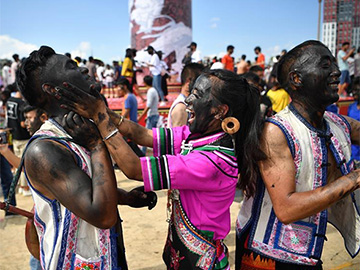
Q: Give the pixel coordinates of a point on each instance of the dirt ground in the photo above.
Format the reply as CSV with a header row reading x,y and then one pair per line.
x,y
145,233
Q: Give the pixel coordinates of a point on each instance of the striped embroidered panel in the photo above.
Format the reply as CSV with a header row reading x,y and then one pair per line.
x,y
156,173
163,141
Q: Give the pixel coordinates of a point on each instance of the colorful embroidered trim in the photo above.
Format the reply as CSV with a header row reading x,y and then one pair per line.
x,y
193,241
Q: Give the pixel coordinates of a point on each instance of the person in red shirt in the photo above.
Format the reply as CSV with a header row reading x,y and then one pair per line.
x,y
227,60
260,61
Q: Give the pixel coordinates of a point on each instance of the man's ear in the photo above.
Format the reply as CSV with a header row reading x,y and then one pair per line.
x,y
295,79
43,117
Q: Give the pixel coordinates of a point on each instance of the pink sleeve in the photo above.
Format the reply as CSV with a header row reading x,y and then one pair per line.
x,y
197,171
168,140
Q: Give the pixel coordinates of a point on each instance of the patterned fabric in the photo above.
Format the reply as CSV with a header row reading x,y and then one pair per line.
x,y
248,262
184,170
295,237
66,241
202,172
81,264
302,242
205,253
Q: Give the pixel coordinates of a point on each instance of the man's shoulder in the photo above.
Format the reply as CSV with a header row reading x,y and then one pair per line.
x,y
341,53
131,98
46,151
152,91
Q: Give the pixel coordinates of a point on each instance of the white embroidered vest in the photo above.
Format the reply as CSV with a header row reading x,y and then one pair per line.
x,y
67,241
302,242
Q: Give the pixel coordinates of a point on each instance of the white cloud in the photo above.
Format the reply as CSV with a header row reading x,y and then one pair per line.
x,y
214,21
273,51
10,46
221,54
83,50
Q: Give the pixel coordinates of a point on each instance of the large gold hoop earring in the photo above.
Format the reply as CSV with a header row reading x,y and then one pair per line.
x,y
230,125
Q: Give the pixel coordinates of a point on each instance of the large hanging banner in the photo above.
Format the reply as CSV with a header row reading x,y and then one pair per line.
x,y
164,25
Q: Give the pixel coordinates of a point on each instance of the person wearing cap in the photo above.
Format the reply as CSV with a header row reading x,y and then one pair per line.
x,y
155,69
195,54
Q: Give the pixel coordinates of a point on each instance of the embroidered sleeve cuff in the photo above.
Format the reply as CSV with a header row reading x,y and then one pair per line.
x,y
155,173
163,141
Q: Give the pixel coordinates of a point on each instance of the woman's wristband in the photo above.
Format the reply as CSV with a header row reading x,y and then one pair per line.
x,y
111,134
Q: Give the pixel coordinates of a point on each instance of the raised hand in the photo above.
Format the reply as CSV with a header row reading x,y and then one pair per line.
x,y
83,131
88,104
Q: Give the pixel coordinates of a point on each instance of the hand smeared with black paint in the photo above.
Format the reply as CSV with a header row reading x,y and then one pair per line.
x,y
86,102
83,131
137,198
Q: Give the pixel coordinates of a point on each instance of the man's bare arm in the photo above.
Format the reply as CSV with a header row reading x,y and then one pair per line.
x,y
52,169
350,52
179,115
278,173
355,130
9,155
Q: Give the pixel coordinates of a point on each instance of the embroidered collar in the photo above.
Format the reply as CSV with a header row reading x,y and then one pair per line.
x,y
56,124
201,141
320,132
205,143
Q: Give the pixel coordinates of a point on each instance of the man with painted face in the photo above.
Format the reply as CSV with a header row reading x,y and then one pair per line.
x,y
177,112
34,118
200,161
308,177
74,188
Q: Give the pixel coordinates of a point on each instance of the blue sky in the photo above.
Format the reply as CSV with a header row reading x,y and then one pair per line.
x,y
101,28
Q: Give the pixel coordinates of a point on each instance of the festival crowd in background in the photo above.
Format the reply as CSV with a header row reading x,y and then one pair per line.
x,y
259,81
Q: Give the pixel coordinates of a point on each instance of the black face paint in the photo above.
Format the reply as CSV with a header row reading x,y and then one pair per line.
x,y
61,69
32,122
200,103
319,74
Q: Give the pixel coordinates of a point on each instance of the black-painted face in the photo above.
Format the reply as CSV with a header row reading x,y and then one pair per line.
x,y
200,105
60,68
32,122
319,76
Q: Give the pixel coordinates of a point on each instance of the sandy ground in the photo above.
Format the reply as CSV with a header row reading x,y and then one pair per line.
x,y
145,233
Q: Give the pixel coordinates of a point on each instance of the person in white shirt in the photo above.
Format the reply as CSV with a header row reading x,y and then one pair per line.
x,y
14,67
155,69
109,76
195,56
151,110
217,65
6,74
100,73
109,80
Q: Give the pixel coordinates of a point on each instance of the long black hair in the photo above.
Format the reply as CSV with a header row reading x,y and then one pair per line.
x,y
243,102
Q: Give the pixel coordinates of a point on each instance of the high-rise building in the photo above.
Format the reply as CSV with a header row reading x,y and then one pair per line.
x,y
341,23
